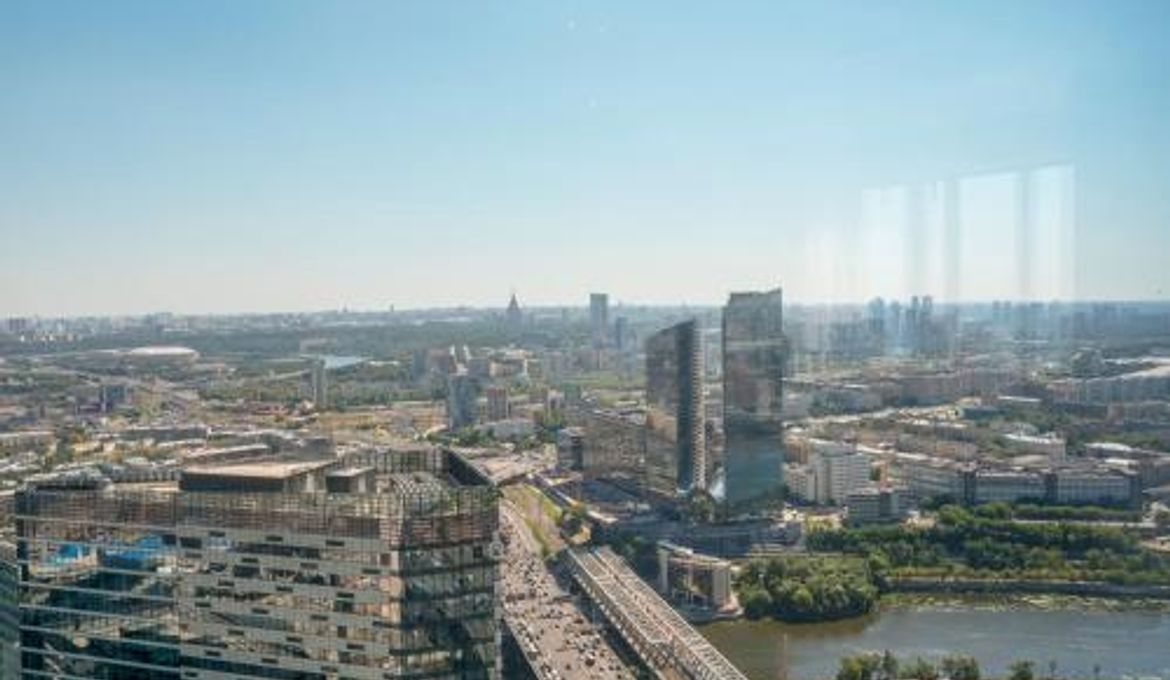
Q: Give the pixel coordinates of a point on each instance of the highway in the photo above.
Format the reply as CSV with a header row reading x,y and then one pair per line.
x,y
553,631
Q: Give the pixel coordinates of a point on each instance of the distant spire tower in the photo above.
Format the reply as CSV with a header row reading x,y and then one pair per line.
x,y
514,315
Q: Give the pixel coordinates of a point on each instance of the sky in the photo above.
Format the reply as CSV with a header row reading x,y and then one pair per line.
x,y
281,155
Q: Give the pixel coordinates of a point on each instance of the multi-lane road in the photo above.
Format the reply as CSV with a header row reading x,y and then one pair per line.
x,y
550,625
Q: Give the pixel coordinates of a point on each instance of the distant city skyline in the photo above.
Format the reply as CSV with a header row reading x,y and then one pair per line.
x,y
222,157
857,306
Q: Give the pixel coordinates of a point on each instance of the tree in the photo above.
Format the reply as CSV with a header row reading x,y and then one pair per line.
x,y
701,507
859,667
878,563
812,588
960,667
996,511
1162,520
919,669
63,454
756,602
889,665
574,519
1022,670
851,669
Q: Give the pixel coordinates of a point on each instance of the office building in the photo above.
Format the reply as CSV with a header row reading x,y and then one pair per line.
x,y
480,367
675,446
19,325
1148,384
599,318
840,474
375,567
692,579
754,352
462,394
615,443
621,333
9,608
830,476
802,482
874,505
570,448
319,384
497,404
1094,485
1008,486
926,477
111,396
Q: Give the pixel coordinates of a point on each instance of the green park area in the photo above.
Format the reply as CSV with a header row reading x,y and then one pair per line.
x,y
967,544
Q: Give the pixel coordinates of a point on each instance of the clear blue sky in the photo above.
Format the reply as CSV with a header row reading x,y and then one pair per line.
x,y
232,156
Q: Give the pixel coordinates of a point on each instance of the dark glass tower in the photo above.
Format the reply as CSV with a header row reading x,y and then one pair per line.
x,y
675,460
754,352
599,318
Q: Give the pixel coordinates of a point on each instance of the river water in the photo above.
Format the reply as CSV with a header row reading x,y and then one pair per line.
x,y
1124,641
335,361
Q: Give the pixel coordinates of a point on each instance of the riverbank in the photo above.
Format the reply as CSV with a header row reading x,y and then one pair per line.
x,y
1025,586
1019,602
1011,595
1123,637
822,588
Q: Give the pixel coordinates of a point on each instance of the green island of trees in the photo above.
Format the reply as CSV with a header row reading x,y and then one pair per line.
x,y
963,543
806,588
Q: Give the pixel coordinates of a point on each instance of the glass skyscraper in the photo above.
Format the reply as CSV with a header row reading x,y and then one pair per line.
x,y
379,566
9,609
599,318
754,353
675,451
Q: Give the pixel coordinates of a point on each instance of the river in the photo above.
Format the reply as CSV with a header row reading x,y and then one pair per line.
x,y
1125,641
335,361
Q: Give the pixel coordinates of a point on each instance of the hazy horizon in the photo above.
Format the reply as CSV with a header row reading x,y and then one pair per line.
x,y
615,304
226,157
